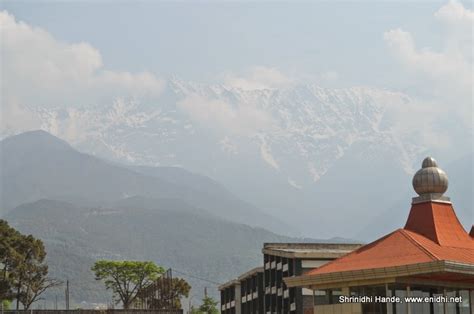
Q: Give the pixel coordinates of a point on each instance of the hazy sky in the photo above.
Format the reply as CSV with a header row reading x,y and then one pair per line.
x,y
60,53
337,43
67,54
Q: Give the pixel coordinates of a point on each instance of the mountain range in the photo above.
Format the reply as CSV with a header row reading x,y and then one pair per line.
x,y
37,165
294,152
202,248
85,208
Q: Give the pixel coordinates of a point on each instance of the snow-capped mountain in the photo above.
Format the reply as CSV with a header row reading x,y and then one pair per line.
x,y
277,148
308,123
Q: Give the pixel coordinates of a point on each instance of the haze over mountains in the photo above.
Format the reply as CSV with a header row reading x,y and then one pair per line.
x,y
295,152
85,209
171,233
37,165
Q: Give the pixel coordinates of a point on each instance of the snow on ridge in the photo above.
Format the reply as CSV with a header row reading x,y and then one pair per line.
x,y
313,126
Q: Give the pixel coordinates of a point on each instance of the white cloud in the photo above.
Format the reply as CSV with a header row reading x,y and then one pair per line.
x,y
444,73
238,119
14,117
442,67
258,78
454,13
38,69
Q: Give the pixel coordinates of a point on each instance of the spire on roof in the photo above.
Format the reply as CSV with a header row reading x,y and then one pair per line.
x,y
430,182
432,214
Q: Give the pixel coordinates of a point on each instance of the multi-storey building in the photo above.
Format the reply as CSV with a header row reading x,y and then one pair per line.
x,y
244,294
283,260
251,291
230,297
262,290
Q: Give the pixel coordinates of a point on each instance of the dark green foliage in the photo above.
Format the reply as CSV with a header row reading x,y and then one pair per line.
x,y
9,240
126,278
6,305
179,288
208,306
167,293
24,273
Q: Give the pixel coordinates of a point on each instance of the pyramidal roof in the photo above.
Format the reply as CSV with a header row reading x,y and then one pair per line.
x,y
432,232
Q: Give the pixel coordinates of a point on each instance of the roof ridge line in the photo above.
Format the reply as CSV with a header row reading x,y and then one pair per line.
x,y
414,241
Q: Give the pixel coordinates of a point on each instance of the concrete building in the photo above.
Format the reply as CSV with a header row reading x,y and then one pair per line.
x,y
252,291
286,260
262,290
230,297
431,258
244,294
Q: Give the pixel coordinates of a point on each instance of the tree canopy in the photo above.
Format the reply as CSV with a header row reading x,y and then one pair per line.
x,y
126,278
208,306
24,274
166,293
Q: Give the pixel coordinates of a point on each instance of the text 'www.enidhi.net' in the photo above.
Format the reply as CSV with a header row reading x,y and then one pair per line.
x,y
396,299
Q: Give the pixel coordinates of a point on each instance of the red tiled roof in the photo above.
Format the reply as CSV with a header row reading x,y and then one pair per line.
x,y
432,232
439,223
472,232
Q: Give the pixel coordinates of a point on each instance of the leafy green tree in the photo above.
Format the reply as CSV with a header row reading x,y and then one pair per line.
x,y
126,278
168,293
9,239
180,288
208,306
6,305
194,310
24,273
30,272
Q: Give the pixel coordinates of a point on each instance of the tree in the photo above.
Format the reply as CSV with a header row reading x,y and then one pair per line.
x,y
24,273
179,288
30,272
9,240
194,310
166,293
35,286
126,278
208,306
5,304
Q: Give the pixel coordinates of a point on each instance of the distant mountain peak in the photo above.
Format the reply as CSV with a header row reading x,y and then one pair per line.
x,y
36,134
36,139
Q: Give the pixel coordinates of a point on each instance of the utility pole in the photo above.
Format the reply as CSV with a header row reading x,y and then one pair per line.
x,y
56,302
190,304
205,292
67,295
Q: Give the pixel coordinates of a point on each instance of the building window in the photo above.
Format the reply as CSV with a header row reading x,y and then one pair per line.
x,y
371,291
334,295
422,292
458,308
330,296
321,297
464,306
